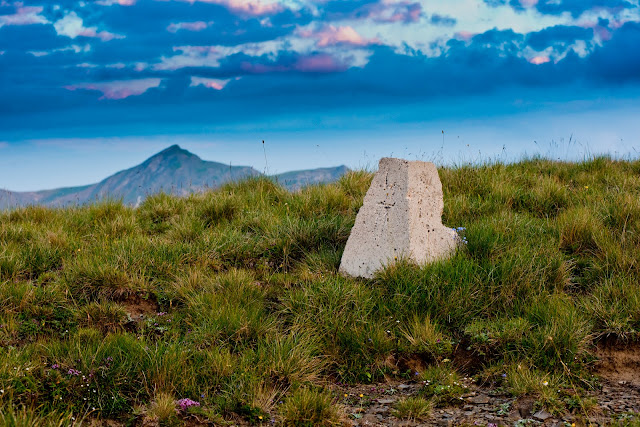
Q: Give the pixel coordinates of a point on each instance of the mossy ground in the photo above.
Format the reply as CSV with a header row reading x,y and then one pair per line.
x,y
232,298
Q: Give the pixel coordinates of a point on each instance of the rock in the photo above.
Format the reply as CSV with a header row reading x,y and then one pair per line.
x,y
369,420
525,407
386,401
403,387
481,399
401,218
542,415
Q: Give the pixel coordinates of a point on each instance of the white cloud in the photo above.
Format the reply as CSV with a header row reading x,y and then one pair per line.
x,y
73,26
24,15
119,89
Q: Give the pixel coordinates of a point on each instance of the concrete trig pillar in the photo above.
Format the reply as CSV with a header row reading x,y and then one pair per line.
x,y
401,218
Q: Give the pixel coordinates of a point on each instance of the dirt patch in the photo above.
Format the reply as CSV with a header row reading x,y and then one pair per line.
x,y
466,360
618,361
139,308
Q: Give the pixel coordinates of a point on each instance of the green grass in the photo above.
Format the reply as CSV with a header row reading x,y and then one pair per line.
x,y
232,298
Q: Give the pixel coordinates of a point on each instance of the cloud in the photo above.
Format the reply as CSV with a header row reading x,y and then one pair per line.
x,y
314,55
443,20
191,56
559,35
118,2
118,89
246,7
379,11
616,61
216,84
330,35
539,60
317,63
72,26
24,15
557,7
189,26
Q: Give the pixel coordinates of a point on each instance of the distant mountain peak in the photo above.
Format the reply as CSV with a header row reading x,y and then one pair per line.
x,y
174,150
173,170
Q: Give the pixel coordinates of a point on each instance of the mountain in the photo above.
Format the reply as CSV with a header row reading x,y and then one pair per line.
x,y
298,179
173,170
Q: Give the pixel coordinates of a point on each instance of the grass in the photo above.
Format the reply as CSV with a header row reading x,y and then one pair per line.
x,y
413,408
232,298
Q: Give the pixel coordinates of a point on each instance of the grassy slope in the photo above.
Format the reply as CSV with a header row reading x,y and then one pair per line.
x,y
256,314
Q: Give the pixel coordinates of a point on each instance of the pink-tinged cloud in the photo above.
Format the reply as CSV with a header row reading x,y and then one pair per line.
x,y
386,11
119,2
246,7
24,16
528,3
464,35
118,89
538,60
321,63
72,26
334,36
602,32
189,26
216,84
318,64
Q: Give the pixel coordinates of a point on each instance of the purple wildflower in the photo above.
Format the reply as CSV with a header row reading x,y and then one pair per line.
x,y
187,403
74,372
55,366
162,313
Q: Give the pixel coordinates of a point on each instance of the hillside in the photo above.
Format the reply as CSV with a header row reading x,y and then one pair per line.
x,y
226,307
174,171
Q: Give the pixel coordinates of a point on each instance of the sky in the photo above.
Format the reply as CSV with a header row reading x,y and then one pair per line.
x,y
88,88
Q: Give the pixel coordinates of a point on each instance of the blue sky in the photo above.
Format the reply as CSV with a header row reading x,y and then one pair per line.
x,y
91,87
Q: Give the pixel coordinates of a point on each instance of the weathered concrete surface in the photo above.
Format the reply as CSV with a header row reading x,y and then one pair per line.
x,y
401,218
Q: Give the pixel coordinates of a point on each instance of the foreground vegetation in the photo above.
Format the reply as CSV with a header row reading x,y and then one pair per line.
x,y
228,305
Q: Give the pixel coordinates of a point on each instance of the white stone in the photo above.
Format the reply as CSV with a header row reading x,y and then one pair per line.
x,y
401,218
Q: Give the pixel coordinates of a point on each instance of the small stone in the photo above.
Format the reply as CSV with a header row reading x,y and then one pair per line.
x,y
403,387
542,415
386,401
369,420
481,399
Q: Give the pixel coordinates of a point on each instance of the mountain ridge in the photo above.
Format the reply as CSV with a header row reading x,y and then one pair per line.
x,y
173,170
